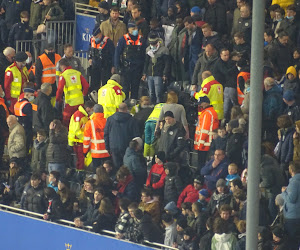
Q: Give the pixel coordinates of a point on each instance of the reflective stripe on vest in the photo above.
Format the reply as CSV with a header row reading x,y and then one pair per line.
x,y
34,107
96,142
2,102
16,84
129,41
241,96
99,45
49,69
18,108
73,87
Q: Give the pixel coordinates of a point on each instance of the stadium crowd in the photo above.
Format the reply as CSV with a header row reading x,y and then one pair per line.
x,y
151,140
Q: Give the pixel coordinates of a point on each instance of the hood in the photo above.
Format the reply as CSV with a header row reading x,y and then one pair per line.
x,y
291,70
238,130
121,117
114,83
130,152
172,167
222,237
171,207
296,177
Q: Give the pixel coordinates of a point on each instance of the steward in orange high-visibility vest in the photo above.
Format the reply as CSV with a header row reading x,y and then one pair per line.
x,y
207,122
93,139
242,78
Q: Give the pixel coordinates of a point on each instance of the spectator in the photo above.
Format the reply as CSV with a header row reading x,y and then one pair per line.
x,y
39,151
186,210
125,220
51,11
43,112
149,205
170,229
237,15
245,22
181,225
215,15
279,238
135,161
103,180
290,25
156,29
191,192
67,198
53,180
117,137
215,169
222,238
106,219
296,155
103,15
241,243
141,22
156,68
86,197
6,59
34,201
56,151
241,46
279,219
232,173
210,37
290,195
291,82
157,174
12,12
20,30
205,241
218,142
292,109
173,183
189,237
16,144
199,221
55,209
220,197
206,62
203,196
264,239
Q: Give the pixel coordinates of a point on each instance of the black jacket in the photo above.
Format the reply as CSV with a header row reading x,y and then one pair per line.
x,y
45,113
4,63
19,31
119,130
234,146
57,149
215,15
149,230
35,200
205,242
55,209
226,73
91,214
104,222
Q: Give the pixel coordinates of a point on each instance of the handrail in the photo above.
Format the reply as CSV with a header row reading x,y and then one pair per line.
x,y
89,228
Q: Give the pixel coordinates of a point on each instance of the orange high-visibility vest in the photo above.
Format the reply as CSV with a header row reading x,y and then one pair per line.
x,y
2,102
207,122
99,45
49,69
241,96
93,139
18,108
129,41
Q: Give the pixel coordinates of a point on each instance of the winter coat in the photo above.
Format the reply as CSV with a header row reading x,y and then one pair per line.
x,y
241,243
189,194
286,146
156,177
123,223
283,3
212,175
119,130
214,39
272,104
190,244
58,142
205,242
217,200
114,35
100,18
199,225
292,85
244,25
137,166
291,27
35,15
280,55
4,63
149,230
153,209
218,143
16,142
19,31
12,11
54,11
271,176
34,201
159,64
204,63
291,197
173,186
172,141
104,222
91,214
223,241
38,158
215,15
55,209
234,146
293,112
226,73
45,113
130,191
141,117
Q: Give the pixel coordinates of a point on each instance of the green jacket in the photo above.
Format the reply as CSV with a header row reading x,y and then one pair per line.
x,y
35,15
56,12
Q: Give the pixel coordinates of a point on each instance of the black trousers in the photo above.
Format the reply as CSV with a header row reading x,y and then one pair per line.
x,y
132,77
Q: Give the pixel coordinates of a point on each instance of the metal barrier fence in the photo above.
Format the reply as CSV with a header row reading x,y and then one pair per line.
x,y
154,245
83,57
33,46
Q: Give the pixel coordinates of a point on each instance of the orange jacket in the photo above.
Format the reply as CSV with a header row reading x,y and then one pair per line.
x,y
18,108
241,96
2,102
49,69
94,136
207,122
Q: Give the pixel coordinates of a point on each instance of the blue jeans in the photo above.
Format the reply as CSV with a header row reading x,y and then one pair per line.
x,y
230,99
59,167
155,85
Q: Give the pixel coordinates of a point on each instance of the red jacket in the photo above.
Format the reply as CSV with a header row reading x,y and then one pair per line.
x,y
189,194
157,170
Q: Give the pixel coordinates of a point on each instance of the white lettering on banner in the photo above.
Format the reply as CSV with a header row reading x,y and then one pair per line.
x,y
86,37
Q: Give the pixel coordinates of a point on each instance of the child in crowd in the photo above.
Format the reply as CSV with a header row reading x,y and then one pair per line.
x,y
172,209
53,180
39,149
124,219
232,173
203,196
219,142
170,229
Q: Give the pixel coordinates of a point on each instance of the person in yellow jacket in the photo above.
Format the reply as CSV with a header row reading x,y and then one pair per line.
x,y
213,90
283,3
76,131
93,140
110,96
150,125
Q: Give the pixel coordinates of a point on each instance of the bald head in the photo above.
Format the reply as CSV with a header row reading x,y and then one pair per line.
x,y
123,107
206,74
209,50
9,53
11,121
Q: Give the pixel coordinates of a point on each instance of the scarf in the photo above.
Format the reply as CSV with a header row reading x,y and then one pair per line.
x,y
122,186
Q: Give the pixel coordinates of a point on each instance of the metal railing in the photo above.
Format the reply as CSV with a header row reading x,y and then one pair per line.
x,y
154,245
83,57
86,9
33,46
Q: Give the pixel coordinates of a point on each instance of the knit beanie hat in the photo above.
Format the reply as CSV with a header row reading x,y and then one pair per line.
x,y
161,155
221,183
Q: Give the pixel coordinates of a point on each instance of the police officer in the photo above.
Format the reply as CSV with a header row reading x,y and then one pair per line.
x,y
101,54
129,58
16,75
